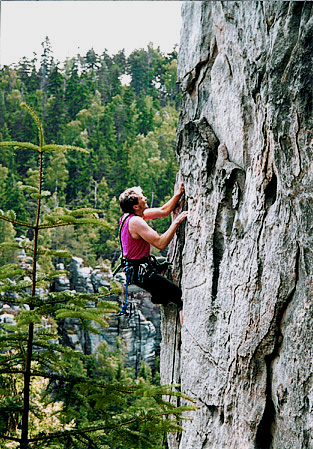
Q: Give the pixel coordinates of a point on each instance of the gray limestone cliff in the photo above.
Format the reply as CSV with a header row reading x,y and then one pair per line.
x,y
245,256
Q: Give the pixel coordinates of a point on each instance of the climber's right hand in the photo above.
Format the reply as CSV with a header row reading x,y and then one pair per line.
x,y
181,217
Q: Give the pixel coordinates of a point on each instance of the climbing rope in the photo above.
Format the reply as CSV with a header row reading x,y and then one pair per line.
x,y
175,344
138,348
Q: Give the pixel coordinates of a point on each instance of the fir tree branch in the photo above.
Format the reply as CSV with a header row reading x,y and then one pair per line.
x,y
75,222
6,437
17,222
63,148
13,143
10,270
106,427
55,253
12,371
85,210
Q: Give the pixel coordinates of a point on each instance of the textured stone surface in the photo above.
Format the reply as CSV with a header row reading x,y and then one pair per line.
x,y
245,257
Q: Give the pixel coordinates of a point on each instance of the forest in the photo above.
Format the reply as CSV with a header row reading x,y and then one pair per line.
x,y
73,137
123,110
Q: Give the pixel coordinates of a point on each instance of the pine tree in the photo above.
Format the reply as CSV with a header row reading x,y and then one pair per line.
x,y
145,115
29,345
28,340
76,92
46,65
55,109
28,74
108,75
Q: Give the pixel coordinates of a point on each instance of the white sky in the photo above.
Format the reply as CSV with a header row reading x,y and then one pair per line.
x,y
77,26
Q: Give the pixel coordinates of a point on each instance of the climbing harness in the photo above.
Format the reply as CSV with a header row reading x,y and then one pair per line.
x,y
137,272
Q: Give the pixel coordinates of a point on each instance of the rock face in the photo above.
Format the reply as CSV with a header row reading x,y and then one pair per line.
x,y
245,258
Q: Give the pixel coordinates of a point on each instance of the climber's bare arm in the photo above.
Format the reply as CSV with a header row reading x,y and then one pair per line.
x,y
138,228
167,208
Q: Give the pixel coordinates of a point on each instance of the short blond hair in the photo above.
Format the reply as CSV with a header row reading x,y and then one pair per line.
x,y
129,198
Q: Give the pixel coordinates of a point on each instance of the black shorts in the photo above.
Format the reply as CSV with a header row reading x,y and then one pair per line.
x,y
162,290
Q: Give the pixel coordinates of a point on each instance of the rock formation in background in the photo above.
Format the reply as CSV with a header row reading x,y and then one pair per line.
x,y
245,258
140,332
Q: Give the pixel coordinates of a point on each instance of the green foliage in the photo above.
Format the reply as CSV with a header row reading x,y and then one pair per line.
x,y
7,231
125,133
52,396
112,397
111,136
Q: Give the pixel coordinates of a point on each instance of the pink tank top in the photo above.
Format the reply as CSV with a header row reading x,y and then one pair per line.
x,y
133,248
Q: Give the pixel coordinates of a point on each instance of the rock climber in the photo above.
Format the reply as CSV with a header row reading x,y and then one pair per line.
x,y
136,237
